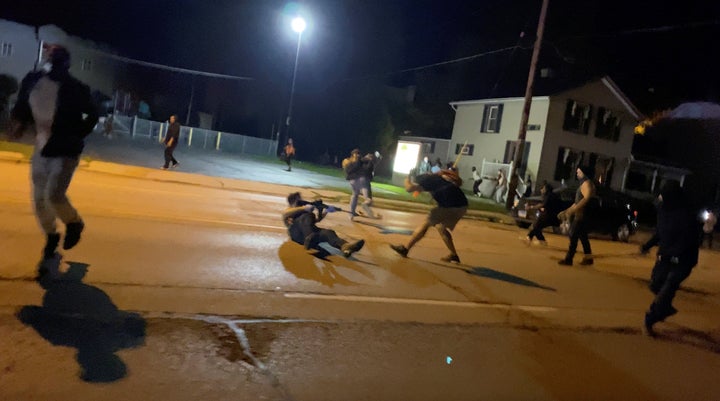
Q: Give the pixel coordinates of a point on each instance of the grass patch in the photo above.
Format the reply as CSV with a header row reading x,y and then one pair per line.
x,y
24,149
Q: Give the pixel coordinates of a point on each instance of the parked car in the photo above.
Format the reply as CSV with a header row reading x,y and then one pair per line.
x,y
615,216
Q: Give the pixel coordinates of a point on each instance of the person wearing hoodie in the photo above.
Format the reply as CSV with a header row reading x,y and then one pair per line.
x,y
62,113
678,240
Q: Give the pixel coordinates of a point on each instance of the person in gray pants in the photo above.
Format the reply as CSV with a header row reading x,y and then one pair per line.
x,y
62,113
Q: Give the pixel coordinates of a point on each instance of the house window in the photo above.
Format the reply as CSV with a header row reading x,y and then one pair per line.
x,y
533,127
577,117
607,125
427,148
87,65
6,49
492,115
567,163
467,150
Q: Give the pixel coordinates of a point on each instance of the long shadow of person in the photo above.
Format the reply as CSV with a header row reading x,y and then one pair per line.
x,y
78,315
302,264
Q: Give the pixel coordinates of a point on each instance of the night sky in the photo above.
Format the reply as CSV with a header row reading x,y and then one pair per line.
x,y
659,52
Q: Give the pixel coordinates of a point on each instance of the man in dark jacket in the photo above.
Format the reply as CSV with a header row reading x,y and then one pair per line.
x,y
451,207
62,113
171,141
300,220
677,237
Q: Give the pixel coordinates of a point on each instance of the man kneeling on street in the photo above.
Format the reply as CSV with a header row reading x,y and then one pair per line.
x,y
300,220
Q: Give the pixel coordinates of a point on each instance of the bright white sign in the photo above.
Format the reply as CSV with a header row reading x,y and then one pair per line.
x,y
406,157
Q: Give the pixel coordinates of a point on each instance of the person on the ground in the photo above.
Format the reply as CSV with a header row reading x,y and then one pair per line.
x,y
356,174
172,137
580,214
451,207
289,153
300,219
62,112
477,180
677,238
548,210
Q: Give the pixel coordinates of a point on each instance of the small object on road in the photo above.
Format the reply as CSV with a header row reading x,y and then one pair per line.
x,y
448,360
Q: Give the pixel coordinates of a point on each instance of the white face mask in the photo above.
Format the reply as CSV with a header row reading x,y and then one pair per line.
x,y
46,66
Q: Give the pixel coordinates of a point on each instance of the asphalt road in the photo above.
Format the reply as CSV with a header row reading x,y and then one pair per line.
x,y
186,289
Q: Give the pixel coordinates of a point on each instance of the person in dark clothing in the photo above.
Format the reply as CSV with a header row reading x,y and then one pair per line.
x,y
171,141
288,153
62,113
451,207
548,208
356,172
300,220
581,215
677,238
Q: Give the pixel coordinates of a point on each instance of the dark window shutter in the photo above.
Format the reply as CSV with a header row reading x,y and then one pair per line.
x,y
499,118
483,126
568,116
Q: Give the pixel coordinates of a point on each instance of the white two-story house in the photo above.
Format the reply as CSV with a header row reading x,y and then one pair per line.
x,y
590,125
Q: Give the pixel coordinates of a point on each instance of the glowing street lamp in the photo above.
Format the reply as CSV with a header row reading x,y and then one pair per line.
x,y
298,25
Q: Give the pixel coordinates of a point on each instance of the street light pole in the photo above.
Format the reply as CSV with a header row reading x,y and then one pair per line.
x,y
298,25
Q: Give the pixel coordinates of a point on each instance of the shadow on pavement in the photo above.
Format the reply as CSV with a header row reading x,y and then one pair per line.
x,y
81,316
316,266
502,276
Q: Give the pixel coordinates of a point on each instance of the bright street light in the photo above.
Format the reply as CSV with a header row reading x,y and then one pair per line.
x,y
298,25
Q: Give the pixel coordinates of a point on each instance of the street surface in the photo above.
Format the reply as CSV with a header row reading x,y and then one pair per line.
x,y
185,287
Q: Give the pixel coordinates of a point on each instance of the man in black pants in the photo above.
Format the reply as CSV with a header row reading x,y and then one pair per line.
x,y
300,220
677,234
581,214
549,208
171,141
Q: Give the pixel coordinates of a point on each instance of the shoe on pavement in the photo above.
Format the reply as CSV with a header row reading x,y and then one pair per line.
x,y
587,261
51,245
72,234
452,258
352,247
565,262
400,249
647,327
164,167
175,165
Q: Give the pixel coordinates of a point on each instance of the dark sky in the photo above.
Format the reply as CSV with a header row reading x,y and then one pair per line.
x,y
669,46
659,52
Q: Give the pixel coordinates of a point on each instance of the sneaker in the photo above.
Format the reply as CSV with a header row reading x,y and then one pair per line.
x,y
311,241
51,245
175,165
352,247
565,262
164,167
72,234
587,261
368,212
400,249
353,216
452,258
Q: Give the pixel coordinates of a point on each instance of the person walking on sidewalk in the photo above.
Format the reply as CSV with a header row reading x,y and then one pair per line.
x,y
171,141
677,236
451,207
289,153
300,220
63,113
580,214
549,209
477,180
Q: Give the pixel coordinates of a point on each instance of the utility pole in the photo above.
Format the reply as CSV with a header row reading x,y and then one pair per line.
x,y
520,149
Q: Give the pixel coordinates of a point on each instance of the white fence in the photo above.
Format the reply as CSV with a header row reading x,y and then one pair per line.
x,y
196,137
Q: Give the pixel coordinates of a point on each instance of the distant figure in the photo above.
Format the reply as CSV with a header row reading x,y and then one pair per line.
x,y
171,141
477,180
288,153
437,166
677,237
62,113
356,173
580,214
300,220
548,208
108,126
528,187
424,166
501,187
